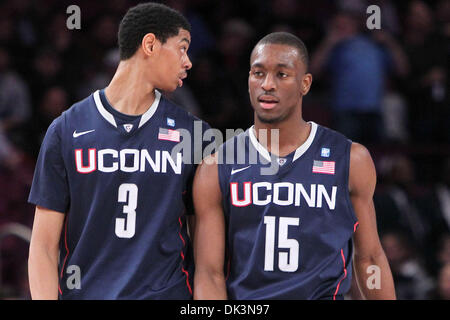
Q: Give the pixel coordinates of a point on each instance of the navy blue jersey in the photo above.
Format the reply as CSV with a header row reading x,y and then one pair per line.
x,y
124,193
289,233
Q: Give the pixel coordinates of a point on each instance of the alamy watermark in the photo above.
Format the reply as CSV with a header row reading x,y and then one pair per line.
x,y
374,280
374,20
74,279
74,20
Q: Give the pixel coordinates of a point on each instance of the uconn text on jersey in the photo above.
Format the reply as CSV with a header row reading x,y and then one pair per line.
x,y
126,160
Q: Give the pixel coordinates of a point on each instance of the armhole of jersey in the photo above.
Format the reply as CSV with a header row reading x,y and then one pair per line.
x,y
347,184
62,150
222,180
61,125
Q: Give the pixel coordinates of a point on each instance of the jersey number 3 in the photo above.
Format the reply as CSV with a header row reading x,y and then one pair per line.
x,y
287,262
125,227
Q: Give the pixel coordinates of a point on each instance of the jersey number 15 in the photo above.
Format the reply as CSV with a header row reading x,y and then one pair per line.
x,y
287,262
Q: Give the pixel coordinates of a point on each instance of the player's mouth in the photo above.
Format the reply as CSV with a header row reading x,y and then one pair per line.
x,y
180,79
268,102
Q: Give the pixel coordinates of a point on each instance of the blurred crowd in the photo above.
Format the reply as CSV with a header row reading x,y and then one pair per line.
x,y
386,88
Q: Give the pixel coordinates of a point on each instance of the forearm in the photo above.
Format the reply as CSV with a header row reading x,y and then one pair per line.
x,y
374,277
209,286
43,273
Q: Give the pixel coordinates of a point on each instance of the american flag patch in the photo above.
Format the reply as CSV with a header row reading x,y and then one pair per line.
x,y
168,134
323,167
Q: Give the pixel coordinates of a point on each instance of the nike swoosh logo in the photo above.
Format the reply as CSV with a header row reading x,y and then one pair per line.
x,y
77,134
233,171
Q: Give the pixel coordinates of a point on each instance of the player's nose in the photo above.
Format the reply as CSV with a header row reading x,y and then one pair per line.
x,y
268,84
187,63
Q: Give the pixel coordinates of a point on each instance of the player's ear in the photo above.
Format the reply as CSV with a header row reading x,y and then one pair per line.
x,y
306,83
149,44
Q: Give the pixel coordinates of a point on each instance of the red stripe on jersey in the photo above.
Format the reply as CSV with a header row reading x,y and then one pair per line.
x,y
67,254
182,257
345,274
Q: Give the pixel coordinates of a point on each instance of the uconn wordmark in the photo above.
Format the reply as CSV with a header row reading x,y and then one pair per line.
x,y
283,194
126,160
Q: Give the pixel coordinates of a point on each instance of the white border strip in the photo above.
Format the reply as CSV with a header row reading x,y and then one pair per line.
x,y
298,153
108,116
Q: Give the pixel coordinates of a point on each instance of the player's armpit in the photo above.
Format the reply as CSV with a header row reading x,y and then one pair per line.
x,y
43,254
368,250
209,238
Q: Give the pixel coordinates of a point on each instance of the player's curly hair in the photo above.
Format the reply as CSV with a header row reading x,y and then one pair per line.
x,y
145,18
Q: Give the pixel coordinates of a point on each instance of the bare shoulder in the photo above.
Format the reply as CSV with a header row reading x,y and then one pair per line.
x,y
206,189
362,169
359,153
207,167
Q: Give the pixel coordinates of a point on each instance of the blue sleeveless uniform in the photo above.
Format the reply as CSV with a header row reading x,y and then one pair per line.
x,y
289,231
125,196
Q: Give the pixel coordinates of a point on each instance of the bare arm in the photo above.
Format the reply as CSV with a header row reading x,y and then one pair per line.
x,y
368,250
43,255
209,239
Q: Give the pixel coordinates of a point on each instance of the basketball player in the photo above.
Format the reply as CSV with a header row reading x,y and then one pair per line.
x,y
291,234
109,194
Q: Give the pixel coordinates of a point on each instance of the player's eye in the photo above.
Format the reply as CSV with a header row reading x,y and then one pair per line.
x,y
258,73
282,74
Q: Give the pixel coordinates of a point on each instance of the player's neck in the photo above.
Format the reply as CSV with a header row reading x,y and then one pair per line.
x,y
128,92
291,135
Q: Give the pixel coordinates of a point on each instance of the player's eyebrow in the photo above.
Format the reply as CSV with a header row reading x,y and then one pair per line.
x,y
257,65
279,65
185,39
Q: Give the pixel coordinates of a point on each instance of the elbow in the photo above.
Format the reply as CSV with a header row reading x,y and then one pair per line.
x,y
370,256
42,250
211,274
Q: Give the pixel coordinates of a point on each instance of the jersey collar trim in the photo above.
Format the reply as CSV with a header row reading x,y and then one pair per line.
x,y
298,153
110,118
107,115
151,111
305,146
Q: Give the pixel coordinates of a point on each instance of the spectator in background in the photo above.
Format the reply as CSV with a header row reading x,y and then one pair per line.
x,y
394,111
358,67
426,87
15,110
443,286
54,101
402,204
219,79
443,19
60,41
442,194
411,281
100,75
202,37
443,254
47,71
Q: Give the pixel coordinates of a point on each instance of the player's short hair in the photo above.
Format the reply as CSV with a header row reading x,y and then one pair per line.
x,y
145,18
288,39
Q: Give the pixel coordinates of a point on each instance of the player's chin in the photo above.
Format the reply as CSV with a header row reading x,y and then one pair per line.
x,y
170,87
268,118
